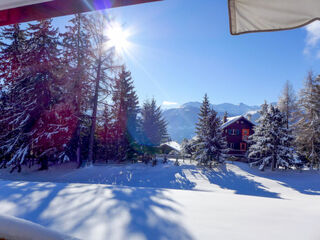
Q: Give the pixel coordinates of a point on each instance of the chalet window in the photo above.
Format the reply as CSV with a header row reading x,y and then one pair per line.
x,y
245,132
231,145
241,122
234,132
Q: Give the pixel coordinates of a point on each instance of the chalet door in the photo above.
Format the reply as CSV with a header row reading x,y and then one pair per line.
x,y
243,146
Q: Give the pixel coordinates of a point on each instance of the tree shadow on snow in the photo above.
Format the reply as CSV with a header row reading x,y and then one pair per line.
x,y
149,210
72,208
227,179
305,182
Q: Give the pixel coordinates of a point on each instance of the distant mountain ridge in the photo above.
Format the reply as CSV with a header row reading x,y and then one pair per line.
x,y
182,121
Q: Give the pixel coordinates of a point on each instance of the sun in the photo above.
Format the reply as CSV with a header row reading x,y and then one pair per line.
x,y
118,37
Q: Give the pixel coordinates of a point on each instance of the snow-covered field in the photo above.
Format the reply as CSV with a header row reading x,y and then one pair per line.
x,y
166,202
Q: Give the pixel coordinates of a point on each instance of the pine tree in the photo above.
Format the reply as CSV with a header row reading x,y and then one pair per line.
x,y
153,125
203,116
125,111
12,54
258,149
33,92
186,147
308,126
272,141
211,146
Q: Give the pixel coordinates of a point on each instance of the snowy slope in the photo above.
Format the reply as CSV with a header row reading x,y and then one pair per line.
x,y
167,202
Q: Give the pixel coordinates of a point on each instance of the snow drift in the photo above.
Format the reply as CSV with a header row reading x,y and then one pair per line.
x,y
13,228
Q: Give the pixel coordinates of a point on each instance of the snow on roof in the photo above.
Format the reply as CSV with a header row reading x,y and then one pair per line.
x,y
231,120
176,146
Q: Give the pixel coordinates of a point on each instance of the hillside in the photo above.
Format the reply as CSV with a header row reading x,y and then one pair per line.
x,y
182,120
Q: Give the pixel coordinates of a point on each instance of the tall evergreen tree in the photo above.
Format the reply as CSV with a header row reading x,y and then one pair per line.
x,y
153,125
33,92
211,146
203,116
308,126
272,141
125,111
12,54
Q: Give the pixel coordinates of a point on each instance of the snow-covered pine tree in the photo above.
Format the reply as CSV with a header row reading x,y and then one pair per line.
x,y
203,116
202,129
12,57
308,125
33,92
76,53
153,125
3,126
257,149
185,147
211,146
12,54
272,141
125,111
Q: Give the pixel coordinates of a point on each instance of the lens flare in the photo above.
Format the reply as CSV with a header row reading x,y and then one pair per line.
x,y
117,37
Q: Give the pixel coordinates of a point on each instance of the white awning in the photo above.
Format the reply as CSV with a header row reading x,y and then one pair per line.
x,y
8,4
271,15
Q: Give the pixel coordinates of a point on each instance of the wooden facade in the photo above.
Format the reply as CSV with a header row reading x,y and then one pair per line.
x,y
237,130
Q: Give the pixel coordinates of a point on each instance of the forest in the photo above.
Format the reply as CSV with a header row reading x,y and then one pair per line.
x,y
67,96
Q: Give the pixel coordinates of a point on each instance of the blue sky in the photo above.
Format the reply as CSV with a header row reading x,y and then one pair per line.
x,y
182,49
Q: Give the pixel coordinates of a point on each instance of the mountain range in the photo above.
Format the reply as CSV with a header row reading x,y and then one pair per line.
x,y
182,121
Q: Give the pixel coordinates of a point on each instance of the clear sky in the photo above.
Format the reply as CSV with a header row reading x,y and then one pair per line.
x,y
182,49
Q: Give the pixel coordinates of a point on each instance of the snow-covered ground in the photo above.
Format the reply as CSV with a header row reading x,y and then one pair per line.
x,y
166,202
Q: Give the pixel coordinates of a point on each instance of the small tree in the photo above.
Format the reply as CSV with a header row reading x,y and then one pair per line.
x,y
153,125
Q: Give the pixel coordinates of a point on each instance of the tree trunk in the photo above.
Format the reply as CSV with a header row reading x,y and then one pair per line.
x,y
94,114
273,162
78,94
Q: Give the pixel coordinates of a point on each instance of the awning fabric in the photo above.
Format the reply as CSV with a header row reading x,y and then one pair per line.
x,y
17,11
271,15
9,4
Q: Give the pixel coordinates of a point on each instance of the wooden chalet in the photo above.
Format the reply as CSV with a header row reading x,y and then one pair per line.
x,y
237,130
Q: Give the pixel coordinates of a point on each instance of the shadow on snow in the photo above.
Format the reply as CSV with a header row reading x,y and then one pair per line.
x,y
227,179
71,207
305,182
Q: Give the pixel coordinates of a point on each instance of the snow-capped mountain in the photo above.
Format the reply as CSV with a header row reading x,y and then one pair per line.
x,y
182,120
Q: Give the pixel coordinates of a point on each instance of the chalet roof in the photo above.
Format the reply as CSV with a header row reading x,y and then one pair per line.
x,y
174,145
231,120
